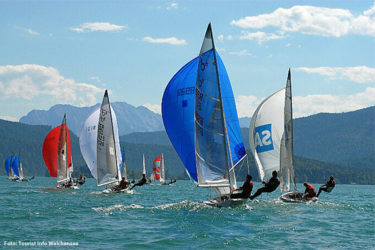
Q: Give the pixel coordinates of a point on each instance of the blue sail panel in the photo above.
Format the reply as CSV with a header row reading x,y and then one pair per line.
x,y
15,165
8,163
178,114
237,147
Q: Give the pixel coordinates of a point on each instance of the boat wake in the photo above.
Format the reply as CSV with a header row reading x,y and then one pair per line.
x,y
118,207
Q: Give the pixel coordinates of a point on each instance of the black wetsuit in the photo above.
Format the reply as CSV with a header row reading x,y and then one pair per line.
x,y
140,183
123,185
269,187
327,187
246,188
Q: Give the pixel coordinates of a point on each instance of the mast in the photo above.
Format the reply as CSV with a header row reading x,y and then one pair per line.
x,y
144,165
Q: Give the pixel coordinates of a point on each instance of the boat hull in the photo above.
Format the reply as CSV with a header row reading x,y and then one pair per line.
x,y
296,197
226,202
111,191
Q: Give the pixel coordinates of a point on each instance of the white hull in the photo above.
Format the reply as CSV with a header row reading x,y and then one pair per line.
x,y
296,197
111,191
219,202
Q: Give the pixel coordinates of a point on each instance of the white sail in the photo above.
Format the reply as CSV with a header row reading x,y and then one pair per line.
x,y
21,170
162,170
62,161
269,141
88,140
144,165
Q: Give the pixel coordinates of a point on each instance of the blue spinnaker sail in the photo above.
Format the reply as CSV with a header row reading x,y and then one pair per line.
x,y
8,163
178,114
237,147
15,165
122,163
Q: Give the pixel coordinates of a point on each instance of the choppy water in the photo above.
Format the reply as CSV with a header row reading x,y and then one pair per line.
x,y
174,217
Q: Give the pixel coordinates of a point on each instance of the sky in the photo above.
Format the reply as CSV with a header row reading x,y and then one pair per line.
x,y
69,52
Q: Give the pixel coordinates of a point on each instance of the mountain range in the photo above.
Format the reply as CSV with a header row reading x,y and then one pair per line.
x,y
342,142
129,118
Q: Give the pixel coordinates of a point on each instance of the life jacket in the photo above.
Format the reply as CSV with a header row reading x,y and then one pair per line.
x,y
311,190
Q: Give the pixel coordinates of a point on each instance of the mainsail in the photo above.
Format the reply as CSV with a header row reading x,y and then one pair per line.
x,y
88,140
108,166
271,136
55,142
144,165
178,110
162,169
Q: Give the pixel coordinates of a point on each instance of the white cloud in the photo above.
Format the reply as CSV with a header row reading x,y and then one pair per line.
x,y
29,81
259,36
246,105
172,6
99,26
220,37
288,45
153,107
9,118
314,21
229,37
168,40
241,53
358,74
31,32
313,104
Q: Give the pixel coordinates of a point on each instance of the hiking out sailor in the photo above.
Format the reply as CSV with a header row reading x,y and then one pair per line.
x,y
141,182
269,187
331,183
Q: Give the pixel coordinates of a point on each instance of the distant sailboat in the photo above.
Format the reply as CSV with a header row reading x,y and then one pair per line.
x,y
271,140
100,145
202,124
17,164
57,155
11,168
158,170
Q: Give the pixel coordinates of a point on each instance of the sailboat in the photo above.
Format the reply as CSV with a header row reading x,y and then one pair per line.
x,y
271,140
17,164
200,118
11,169
58,157
158,170
100,146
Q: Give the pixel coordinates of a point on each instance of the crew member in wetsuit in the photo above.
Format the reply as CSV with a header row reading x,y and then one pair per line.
x,y
69,183
122,185
246,188
309,191
269,187
141,182
328,186
81,182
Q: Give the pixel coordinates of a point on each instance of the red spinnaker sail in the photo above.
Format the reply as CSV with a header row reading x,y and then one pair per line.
x,y
50,149
156,168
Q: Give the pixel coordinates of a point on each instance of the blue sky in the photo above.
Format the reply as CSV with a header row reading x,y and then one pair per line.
x,y
55,52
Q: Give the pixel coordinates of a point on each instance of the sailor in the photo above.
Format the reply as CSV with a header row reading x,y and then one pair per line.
x,y
122,185
309,191
246,188
141,182
69,183
81,181
328,186
269,187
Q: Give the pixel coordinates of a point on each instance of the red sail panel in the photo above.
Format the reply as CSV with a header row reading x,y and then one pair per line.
x,y
156,168
50,146
50,149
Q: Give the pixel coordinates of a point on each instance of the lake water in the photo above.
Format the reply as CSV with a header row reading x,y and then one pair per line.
x,y
174,217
